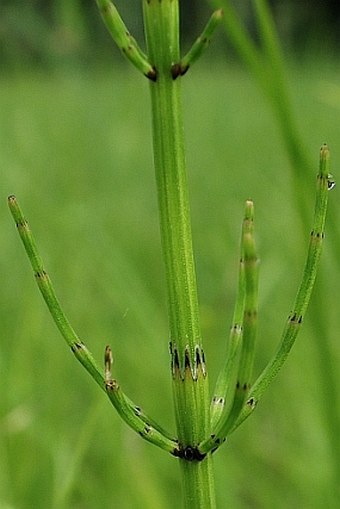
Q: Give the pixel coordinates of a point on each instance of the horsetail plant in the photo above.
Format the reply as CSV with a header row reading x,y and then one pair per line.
x,y
203,423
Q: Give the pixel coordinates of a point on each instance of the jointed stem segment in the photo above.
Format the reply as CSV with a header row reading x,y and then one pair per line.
x,y
226,420
130,413
48,293
234,380
245,369
233,401
124,40
324,183
201,43
201,427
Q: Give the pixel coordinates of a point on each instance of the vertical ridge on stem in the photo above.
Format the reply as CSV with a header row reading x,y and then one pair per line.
x,y
190,381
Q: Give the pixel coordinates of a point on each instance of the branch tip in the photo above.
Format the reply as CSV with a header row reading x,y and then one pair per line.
x,y
108,360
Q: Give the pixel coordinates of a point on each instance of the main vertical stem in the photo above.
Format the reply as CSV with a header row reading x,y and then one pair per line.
x,y
190,383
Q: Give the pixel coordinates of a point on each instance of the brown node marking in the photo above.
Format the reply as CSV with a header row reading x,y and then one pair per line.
x,y
75,347
330,183
189,453
198,356
317,235
147,429
218,442
184,70
175,71
217,400
178,70
111,385
22,224
152,74
296,319
41,274
200,359
176,359
292,318
186,366
187,359
175,365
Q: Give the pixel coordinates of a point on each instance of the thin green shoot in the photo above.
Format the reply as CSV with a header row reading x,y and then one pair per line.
x,y
124,40
246,397
325,183
246,315
130,413
201,43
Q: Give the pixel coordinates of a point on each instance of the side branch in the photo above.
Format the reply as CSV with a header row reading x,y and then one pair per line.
x,y
49,295
124,40
325,183
201,43
130,413
239,364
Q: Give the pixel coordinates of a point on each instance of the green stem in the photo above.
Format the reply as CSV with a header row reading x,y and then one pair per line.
x,y
236,375
293,324
190,383
130,413
124,40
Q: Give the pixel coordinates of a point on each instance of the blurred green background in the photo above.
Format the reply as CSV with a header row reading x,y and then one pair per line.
x,y
75,147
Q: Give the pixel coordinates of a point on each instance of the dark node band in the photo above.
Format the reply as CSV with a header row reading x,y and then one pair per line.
x,y
189,453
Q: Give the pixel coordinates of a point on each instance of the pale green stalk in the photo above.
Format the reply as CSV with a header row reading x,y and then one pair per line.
x,y
226,382
198,432
294,321
235,377
266,63
199,45
124,40
246,396
190,381
130,413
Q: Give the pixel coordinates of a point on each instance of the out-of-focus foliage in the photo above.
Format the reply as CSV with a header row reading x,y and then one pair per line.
x,y
57,31
75,147
54,31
